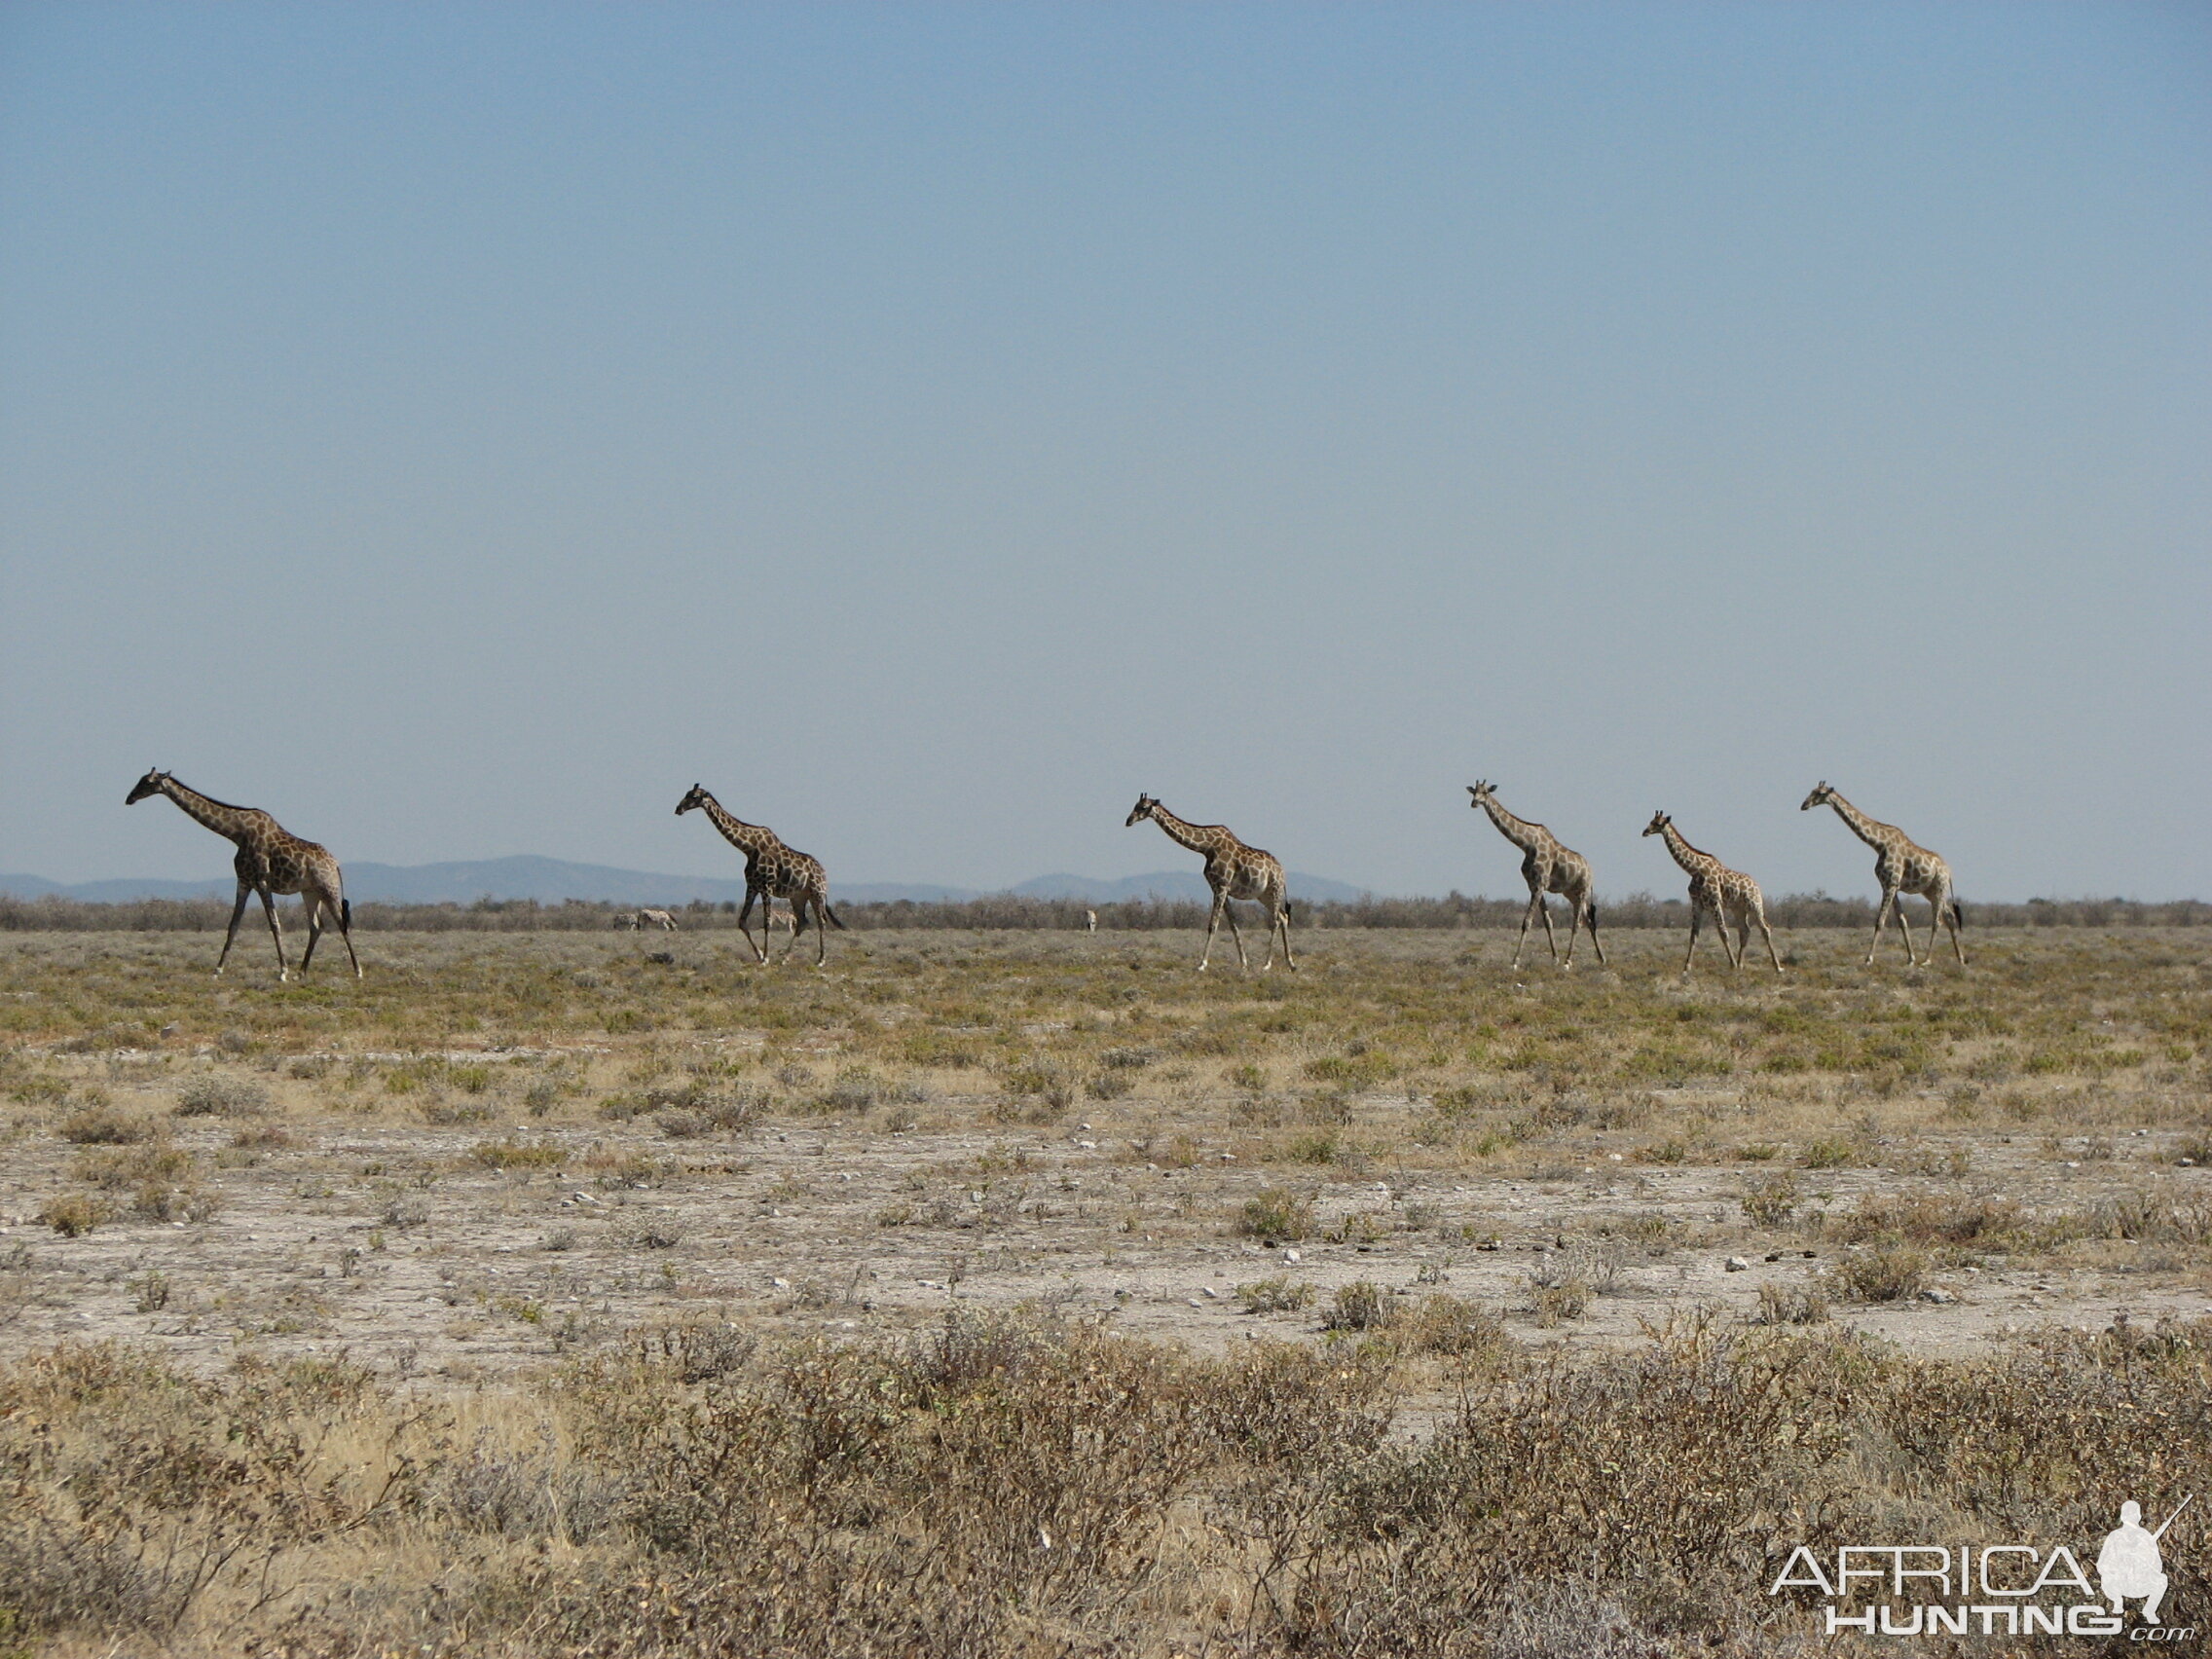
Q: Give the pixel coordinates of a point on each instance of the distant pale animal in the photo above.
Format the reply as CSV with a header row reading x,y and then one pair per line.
x,y
1546,867
772,871
1901,865
270,861
1233,871
1725,892
660,919
1090,921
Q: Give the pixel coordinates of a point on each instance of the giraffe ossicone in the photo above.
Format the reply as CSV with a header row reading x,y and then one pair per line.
x,y
1233,871
271,861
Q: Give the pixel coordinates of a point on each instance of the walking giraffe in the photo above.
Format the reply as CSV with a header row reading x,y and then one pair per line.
x,y
772,871
1546,867
1901,865
1715,887
270,861
1233,871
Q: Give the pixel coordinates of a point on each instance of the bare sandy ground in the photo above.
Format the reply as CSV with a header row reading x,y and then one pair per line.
x,y
390,1243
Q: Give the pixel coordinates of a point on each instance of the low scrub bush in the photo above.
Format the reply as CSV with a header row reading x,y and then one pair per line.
x,y
217,1095
1888,1272
104,1125
1277,1295
1274,1215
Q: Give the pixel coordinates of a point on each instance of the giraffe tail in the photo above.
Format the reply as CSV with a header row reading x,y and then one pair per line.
x,y
834,917
1957,912
344,915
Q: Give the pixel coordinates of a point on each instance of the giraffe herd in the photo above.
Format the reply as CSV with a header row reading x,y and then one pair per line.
x,y
271,861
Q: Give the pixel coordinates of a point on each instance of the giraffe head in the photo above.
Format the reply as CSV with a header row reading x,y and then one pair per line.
x,y
1144,809
150,784
695,796
1821,794
1480,792
1658,823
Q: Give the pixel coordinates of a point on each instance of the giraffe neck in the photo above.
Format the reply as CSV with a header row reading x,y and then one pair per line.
x,y
233,821
1189,834
1519,831
1865,829
753,837
1686,855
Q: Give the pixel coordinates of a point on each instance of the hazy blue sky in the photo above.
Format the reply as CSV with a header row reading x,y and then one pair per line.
x,y
460,429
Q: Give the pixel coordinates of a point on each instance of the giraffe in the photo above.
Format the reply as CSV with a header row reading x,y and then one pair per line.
x,y
772,871
1233,871
270,861
1715,887
1901,867
660,919
1547,868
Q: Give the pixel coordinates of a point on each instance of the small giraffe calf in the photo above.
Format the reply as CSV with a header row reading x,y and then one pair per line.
x,y
660,919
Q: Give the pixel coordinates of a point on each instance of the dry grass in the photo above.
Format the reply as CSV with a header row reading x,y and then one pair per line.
x,y
795,1466
1006,1486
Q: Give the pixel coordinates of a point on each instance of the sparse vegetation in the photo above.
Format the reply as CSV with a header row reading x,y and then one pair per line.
x,y
867,1237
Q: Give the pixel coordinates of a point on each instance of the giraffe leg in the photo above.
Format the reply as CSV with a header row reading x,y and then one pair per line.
x,y
1527,920
1550,938
312,906
1721,927
231,937
1237,934
820,933
1573,923
345,933
1213,926
1282,920
1697,915
760,950
1772,956
277,933
1881,925
1912,954
1947,907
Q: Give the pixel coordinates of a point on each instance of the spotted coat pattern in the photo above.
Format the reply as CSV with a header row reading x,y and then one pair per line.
x,y
772,871
1725,892
270,861
1901,865
1233,871
1547,866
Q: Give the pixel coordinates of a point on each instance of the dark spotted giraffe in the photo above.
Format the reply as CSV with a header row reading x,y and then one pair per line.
x,y
772,871
270,861
1901,865
1233,871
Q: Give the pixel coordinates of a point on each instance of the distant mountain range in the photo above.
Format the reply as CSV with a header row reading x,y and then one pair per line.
x,y
551,881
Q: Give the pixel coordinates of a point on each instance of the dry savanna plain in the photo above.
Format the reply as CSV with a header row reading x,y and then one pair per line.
x,y
1030,1293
